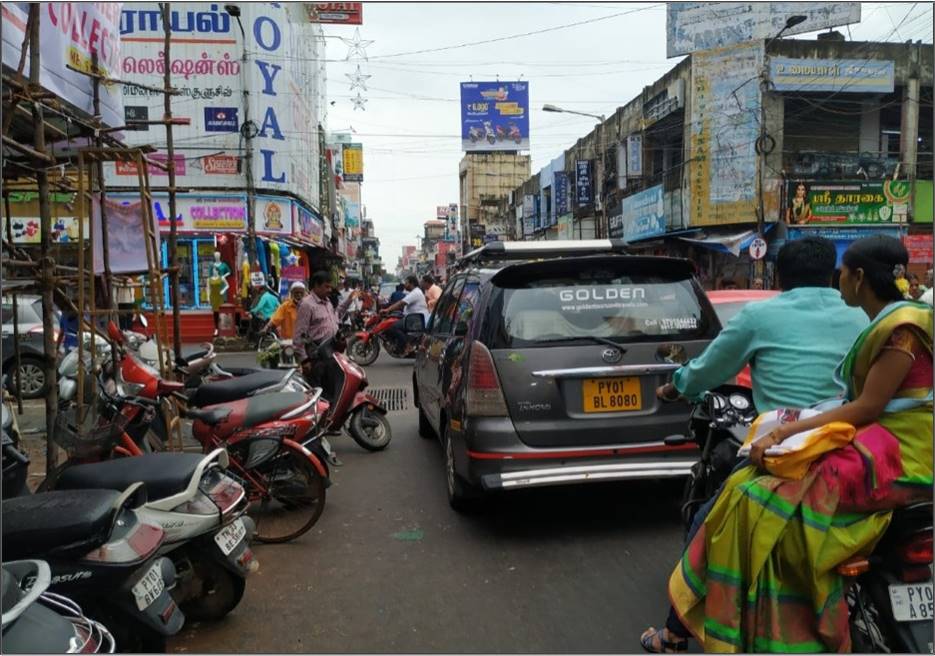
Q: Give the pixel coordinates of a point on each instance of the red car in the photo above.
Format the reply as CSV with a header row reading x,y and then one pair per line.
x,y
727,303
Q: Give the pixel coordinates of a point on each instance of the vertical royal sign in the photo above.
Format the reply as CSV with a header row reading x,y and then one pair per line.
x,y
583,192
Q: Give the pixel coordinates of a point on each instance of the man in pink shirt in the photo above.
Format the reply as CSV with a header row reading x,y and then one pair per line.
x,y
431,290
317,319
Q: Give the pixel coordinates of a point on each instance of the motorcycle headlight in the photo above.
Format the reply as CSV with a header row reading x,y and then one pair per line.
x,y
739,401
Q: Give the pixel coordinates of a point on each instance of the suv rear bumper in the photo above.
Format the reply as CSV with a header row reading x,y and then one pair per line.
x,y
496,459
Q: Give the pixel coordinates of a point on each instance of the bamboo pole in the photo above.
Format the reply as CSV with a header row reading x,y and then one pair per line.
x,y
47,271
170,160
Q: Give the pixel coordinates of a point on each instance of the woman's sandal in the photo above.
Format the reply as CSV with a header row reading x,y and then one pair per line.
x,y
653,642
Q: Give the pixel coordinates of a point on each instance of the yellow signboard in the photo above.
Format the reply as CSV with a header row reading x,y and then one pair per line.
x,y
353,162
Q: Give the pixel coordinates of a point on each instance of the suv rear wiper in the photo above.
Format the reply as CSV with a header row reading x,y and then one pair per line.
x,y
594,338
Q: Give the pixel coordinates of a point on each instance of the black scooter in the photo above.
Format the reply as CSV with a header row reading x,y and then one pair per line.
x,y
102,556
36,621
889,594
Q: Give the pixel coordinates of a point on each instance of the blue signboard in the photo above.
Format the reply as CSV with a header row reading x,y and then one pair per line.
x,y
838,75
583,182
642,215
221,119
560,186
494,116
843,237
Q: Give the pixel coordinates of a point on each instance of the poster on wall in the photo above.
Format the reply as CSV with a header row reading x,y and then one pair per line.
x,y
861,202
126,250
273,216
307,225
71,34
696,26
494,116
724,129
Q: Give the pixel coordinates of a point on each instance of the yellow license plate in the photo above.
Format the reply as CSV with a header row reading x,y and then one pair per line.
x,y
611,394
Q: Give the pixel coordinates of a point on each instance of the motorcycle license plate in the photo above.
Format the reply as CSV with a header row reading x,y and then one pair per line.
x,y
611,394
912,602
230,536
148,589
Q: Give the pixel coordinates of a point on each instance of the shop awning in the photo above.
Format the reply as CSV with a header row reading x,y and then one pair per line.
x,y
733,243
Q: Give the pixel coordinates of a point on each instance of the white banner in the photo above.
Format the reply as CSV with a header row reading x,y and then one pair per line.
x,y
70,33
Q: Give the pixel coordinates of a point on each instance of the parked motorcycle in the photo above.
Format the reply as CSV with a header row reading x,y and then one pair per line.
x,y
364,346
889,594
36,621
101,555
344,384
272,352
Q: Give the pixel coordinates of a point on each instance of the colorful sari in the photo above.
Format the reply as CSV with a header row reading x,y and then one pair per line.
x,y
760,574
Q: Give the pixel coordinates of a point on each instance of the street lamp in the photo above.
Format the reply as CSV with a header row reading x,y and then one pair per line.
x,y
600,160
762,143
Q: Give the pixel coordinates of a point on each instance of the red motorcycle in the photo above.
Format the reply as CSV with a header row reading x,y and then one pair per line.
x,y
364,346
343,384
285,479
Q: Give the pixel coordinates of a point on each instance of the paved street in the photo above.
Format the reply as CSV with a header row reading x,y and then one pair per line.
x,y
390,567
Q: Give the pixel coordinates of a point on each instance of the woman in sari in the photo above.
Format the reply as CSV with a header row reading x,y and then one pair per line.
x,y
760,574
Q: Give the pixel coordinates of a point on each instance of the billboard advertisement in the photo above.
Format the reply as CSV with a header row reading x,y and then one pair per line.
x,y
863,202
335,13
353,160
209,74
642,215
70,34
694,26
494,116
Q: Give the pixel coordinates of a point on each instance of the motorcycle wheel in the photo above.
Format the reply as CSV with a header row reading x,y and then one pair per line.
x,y
220,591
370,429
294,500
363,353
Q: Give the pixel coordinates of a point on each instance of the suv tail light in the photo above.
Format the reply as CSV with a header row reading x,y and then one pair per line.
x,y
484,394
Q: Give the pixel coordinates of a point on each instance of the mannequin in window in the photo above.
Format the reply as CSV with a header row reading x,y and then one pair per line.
x,y
217,287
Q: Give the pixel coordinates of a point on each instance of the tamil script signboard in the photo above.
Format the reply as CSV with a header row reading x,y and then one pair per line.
x,y
865,202
838,75
494,116
583,182
635,156
560,185
642,215
694,26
335,13
353,159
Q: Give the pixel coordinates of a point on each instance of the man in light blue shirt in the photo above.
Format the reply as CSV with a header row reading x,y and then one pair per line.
x,y
793,342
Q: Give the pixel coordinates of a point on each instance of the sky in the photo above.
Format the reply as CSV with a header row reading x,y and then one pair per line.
x,y
600,58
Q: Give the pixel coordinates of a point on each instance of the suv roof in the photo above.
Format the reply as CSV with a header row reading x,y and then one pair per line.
x,y
495,252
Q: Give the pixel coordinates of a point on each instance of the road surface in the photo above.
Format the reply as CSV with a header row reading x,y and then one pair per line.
x,y
391,568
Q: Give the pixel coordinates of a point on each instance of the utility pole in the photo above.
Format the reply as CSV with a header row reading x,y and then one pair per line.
x,y
248,131
598,196
173,217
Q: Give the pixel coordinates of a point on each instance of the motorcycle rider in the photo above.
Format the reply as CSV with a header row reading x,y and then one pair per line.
x,y
792,342
412,302
317,319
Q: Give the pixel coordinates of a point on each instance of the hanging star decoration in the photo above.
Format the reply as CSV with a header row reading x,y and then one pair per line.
x,y
355,46
359,102
358,79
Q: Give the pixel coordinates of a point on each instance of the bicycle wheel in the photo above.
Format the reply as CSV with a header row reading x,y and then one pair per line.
x,y
293,500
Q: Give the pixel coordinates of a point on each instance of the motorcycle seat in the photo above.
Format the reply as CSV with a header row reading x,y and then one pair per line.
x,y
211,415
234,389
67,523
164,474
270,406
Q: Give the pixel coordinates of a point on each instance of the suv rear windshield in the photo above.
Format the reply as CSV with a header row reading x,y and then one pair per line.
x,y
597,302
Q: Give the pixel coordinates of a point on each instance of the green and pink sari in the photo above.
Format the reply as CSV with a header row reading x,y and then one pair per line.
x,y
760,574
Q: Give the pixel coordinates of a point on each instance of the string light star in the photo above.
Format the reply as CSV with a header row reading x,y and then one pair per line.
x,y
359,102
358,79
355,46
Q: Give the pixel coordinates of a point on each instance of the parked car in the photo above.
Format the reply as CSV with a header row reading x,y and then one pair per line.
x,y
727,303
540,363
32,355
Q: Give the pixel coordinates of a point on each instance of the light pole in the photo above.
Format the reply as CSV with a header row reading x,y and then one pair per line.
x,y
763,147
248,131
598,201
